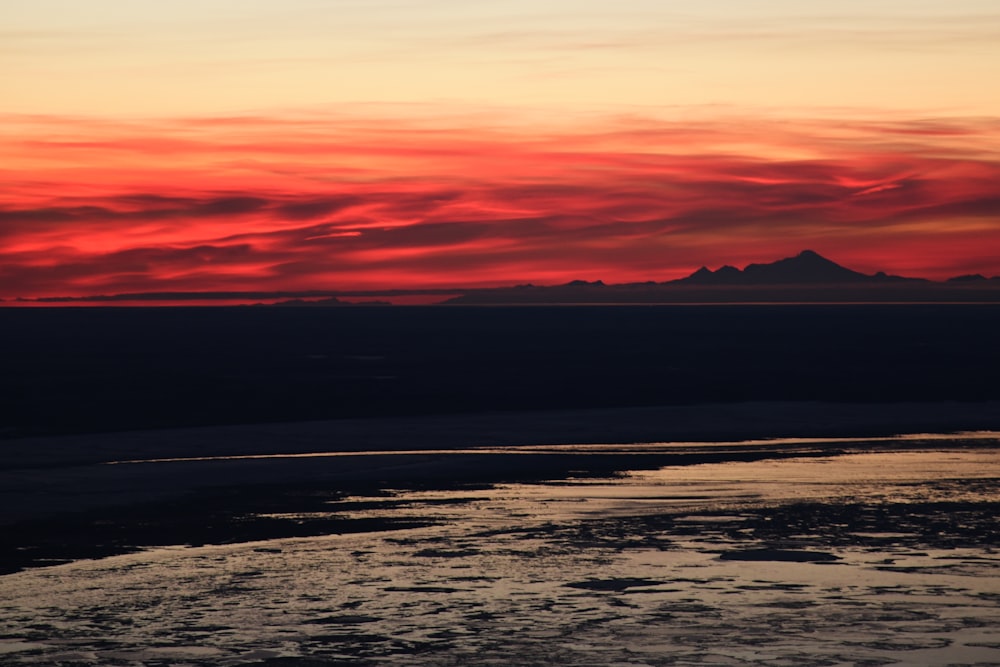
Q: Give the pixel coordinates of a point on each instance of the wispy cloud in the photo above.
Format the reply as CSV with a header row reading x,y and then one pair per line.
x,y
331,203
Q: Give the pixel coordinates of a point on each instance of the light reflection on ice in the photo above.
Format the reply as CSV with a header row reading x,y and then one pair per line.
x,y
632,448
580,572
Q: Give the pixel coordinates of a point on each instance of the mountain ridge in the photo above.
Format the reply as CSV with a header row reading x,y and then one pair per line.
x,y
806,268
807,277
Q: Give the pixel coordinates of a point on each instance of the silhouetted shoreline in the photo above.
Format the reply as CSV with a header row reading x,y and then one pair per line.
x,y
60,490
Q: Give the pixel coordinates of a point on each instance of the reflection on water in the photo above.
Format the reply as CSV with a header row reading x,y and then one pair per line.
x,y
774,444
577,572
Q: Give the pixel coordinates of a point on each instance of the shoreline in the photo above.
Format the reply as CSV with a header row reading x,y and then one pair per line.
x,y
57,491
711,422
56,475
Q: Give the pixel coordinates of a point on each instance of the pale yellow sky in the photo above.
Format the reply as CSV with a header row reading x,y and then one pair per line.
x,y
114,57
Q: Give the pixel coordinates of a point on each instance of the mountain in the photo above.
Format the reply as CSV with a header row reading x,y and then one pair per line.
x,y
806,268
805,278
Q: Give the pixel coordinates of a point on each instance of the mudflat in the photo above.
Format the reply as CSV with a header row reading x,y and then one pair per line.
x,y
154,488
724,485
802,551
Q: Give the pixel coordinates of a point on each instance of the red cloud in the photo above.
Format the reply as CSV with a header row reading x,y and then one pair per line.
x,y
325,204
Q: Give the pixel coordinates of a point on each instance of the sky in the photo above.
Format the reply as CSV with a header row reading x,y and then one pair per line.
x,y
253,145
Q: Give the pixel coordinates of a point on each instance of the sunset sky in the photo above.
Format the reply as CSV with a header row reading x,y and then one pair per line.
x,y
258,145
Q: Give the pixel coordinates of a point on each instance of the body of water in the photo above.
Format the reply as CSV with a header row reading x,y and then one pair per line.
x,y
865,557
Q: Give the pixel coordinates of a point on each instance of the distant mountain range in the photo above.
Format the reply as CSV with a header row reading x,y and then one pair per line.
x,y
806,278
806,268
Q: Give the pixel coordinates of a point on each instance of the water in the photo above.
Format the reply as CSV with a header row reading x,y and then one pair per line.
x,y
681,565
113,369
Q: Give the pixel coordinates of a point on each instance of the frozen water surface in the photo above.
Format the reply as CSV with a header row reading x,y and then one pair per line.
x,y
864,558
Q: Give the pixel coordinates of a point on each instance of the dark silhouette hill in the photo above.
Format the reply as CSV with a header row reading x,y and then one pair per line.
x,y
806,268
805,278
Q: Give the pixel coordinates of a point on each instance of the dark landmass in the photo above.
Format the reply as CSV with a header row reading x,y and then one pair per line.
x,y
806,268
210,296
72,370
805,278
325,303
697,293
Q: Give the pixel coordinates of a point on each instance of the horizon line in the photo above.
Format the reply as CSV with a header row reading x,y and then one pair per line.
x,y
677,283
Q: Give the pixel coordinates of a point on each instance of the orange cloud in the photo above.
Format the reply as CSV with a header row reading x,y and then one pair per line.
x,y
289,204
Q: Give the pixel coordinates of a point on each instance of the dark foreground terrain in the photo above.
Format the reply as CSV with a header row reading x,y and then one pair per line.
x,y
469,508
67,370
755,559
